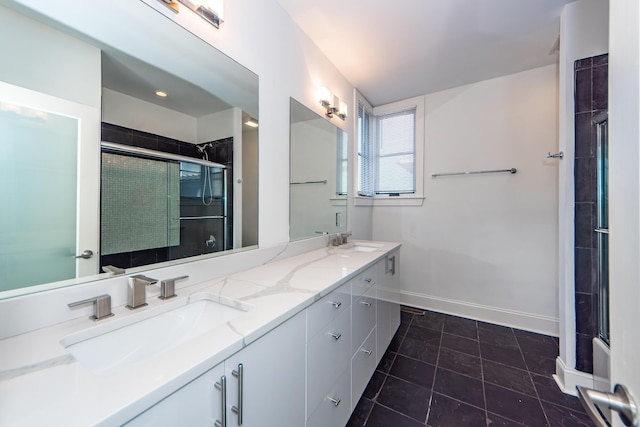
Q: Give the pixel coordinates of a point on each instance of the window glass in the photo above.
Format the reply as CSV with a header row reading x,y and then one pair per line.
x,y
396,153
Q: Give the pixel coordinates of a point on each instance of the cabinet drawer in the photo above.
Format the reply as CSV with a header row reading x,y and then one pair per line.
x,y
363,318
327,309
363,281
363,365
334,412
327,357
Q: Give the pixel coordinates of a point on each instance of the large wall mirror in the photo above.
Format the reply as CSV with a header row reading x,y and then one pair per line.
x,y
318,175
98,168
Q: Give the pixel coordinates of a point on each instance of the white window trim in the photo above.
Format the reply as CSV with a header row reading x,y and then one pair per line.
x,y
417,198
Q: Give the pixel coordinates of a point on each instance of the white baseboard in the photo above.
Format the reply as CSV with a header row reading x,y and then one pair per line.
x,y
515,319
568,378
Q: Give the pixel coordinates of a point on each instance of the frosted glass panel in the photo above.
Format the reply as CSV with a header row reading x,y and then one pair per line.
x,y
38,156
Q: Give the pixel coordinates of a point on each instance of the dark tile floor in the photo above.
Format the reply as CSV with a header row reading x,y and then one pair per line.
x,y
445,371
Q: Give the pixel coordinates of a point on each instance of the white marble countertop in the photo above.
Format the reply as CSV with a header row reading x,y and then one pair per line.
x,y
42,384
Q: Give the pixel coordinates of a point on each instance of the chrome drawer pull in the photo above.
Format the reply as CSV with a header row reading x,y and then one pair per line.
x,y
335,401
336,336
365,351
365,303
222,386
367,279
336,304
240,375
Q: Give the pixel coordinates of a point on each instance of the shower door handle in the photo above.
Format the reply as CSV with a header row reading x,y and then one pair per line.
x,y
85,255
601,230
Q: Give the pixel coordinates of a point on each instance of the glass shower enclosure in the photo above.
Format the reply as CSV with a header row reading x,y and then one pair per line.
x,y
602,229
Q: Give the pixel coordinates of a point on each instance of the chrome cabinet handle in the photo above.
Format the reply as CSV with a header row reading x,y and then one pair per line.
x,y
238,409
222,386
392,269
367,279
365,351
620,401
85,254
336,304
335,401
335,335
366,303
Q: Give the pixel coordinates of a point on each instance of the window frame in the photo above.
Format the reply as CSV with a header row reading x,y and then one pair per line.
x,y
401,199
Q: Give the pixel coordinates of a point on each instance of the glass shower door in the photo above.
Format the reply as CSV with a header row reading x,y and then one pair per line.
x,y
602,230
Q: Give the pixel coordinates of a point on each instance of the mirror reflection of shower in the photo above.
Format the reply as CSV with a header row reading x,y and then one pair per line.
x,y
202,149
602,229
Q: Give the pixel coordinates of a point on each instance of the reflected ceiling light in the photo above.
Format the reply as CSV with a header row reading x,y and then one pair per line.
x,y
252,123
332,103
211,11
161,94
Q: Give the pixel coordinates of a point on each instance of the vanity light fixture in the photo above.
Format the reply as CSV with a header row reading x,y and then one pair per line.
x,y
252,123
211,11
332,103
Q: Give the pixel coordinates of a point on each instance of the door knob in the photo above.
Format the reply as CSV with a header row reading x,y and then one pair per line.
x,y
85,255
620,401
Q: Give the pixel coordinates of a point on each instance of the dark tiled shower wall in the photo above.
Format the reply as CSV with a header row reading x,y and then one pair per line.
x,y
220,151
591,96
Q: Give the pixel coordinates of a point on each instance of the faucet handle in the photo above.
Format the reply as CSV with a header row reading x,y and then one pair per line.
x,y
168,287
101,306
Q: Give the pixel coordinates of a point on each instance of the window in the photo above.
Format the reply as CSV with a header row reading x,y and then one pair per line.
x,y
342,163
390,152
365,150
396,143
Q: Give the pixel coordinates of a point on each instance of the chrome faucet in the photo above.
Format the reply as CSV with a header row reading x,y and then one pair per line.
x,y
168,287
101,306
137,292
340,238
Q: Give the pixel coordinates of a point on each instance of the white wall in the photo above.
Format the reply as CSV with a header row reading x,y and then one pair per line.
x,y
584,29
485,246
213,127
64,67
124,110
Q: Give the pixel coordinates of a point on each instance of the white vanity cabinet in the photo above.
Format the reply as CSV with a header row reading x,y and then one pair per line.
x,y
273,379
309,371
198,403
339,371
388,313
363,325
270,390
328,356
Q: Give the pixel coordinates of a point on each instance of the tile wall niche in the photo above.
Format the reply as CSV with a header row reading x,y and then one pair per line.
x,y
591,97
220,151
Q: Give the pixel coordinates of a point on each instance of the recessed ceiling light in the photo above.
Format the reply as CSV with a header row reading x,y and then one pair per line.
x,y
252,123
161,94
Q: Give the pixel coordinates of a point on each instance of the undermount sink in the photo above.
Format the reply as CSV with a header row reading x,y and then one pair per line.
x,y
361,247
105,352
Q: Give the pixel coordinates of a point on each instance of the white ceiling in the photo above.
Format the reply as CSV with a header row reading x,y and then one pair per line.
x,y
392,50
